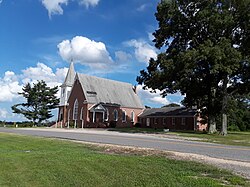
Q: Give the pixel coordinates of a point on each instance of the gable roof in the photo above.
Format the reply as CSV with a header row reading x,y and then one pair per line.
x,y
100,90
70,77
168,111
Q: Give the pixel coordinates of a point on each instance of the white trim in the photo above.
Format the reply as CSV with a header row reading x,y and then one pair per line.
x,y
68,117
93,117
81,114
107,115
103,114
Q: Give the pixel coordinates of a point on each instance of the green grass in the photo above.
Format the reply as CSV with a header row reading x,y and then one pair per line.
x,y
233,138
30,161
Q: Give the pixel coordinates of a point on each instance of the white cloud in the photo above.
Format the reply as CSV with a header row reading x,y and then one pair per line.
x,y
55,6
89,3
9,87
122,56
11,83
151,98
143,51
3,112
150,36
85,51
143,7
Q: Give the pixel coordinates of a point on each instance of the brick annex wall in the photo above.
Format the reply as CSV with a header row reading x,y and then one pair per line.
x,y
159,122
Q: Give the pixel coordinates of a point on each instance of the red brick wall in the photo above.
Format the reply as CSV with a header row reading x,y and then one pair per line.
x,y
158,122
77,93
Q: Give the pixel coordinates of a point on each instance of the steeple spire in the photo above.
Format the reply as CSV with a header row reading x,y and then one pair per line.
x,y
69,80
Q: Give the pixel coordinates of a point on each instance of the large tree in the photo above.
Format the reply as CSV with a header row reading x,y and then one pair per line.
x,y
40,100
239,113
205,54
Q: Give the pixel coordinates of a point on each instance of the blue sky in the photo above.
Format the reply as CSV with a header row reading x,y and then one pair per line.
x,y
105,38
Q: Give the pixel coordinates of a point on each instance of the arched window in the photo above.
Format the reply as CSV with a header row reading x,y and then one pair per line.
x,y
81,115
115,115
106,115
75,110
132,116
123,115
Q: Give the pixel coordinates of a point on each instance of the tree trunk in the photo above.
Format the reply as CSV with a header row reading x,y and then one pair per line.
x,y
223,130
224,125
211,125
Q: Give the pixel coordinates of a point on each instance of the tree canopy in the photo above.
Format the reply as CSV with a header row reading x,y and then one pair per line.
x,y
205,54
40,100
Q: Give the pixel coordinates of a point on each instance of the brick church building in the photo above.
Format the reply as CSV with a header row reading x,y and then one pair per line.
x,y
88,101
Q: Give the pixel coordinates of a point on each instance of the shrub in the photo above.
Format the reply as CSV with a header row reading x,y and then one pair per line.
x,y
112,124
138,125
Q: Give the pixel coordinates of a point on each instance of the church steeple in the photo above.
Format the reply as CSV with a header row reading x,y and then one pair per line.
x,y
67,85
69,80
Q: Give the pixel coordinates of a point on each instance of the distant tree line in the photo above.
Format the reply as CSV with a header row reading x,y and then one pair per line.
x,y
24,123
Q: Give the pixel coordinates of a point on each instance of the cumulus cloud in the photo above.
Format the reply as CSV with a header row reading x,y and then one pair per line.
x,y
122,56
3,112
143,51
9,86
89,3
55,6
151,98
85,51
11,83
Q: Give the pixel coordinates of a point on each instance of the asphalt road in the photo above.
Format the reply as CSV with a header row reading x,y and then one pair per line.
x,y
236,153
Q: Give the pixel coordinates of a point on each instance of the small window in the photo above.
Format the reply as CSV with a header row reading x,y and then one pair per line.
x,y
133,116
183,121
106,115
164,121
75,111
123,115
115,115
173,121
148,122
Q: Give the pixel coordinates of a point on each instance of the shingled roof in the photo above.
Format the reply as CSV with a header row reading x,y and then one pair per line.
x,y
100,90
168,111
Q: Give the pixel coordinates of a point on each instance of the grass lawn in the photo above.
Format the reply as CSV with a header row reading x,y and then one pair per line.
x,y
30,161
233,138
